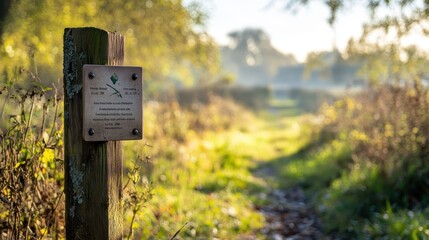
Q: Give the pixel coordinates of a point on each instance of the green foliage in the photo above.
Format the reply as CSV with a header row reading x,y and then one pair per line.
x,y
351,198
314,167
388,61
385,128
389,131
30,163
413,12
358,204
164,36
402,224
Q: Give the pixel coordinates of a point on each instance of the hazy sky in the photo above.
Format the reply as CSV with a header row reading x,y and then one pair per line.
x,y
298,33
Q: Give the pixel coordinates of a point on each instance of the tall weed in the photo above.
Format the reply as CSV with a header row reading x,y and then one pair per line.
x,y
31,163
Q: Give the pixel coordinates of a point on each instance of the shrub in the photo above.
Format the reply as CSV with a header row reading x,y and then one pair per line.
x,y
386,128
30,163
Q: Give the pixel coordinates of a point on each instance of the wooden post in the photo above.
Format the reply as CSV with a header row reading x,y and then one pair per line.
x,y
93,170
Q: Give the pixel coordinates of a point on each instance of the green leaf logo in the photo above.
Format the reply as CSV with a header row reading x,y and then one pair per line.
x,y
114,78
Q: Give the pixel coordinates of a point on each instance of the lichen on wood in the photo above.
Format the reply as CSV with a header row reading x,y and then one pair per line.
x,y
77,186
70,65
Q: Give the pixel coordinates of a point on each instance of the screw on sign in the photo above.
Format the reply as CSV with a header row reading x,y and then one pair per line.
x,y
135,131
135,76
91,132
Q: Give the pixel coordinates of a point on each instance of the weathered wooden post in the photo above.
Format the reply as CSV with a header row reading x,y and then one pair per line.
x,y
93,167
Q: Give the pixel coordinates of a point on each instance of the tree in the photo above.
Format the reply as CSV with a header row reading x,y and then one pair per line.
x,y
381,47
251,55
165,37
418,10
4,8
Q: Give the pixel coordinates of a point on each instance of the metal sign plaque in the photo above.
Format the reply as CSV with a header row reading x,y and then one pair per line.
x,y
112,103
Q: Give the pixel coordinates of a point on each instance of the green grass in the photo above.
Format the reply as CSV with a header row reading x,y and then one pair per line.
x,y
313,167
209,186
404,224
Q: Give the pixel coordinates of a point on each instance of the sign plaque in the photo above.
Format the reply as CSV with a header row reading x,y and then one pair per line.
x,y
112,103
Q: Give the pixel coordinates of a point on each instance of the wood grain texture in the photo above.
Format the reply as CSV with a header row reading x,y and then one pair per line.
x,y
93,170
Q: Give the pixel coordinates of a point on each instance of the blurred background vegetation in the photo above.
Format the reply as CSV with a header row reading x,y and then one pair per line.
x,y
348,127
168,38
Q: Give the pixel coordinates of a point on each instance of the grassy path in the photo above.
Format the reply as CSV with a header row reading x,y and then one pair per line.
x,y
287,211
231,185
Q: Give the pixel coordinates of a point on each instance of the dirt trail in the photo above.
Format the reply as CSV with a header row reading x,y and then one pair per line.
x,y
288,214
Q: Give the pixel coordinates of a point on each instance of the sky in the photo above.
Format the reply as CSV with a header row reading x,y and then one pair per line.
x,y
299,33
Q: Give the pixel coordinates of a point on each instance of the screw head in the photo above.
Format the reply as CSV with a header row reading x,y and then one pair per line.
x,y
91,75
135,76
135,131
91,132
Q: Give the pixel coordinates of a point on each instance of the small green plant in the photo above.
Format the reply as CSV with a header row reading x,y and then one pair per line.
x,y
138,193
